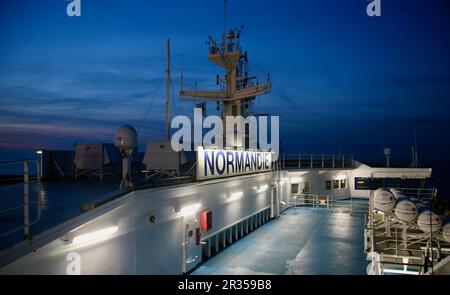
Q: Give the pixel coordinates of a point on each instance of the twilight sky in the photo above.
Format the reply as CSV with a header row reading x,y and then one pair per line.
x,y
336,72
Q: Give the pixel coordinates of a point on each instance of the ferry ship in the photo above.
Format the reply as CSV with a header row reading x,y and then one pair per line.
x,y
300,214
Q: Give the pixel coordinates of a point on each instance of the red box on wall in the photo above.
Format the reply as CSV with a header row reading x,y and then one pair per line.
x,y
206,220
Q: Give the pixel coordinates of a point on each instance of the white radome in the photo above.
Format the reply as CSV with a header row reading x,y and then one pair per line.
x,y
383,200
125,138
429,221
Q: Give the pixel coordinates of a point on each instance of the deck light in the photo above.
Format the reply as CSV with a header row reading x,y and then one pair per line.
x,y
262,188
189,209
235,196
95,236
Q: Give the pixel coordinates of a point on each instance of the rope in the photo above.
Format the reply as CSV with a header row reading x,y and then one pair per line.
x,y
151,102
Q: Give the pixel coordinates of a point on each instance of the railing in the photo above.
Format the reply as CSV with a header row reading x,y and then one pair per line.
x,y
315,201
350,205
423,194
203,87
308,200
402,247
26,197
296,161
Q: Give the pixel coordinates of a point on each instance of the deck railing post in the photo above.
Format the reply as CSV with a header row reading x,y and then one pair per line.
x,y
311,160
322,161
38,172
26,201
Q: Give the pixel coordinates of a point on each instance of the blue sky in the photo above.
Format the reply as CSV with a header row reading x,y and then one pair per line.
x,y
336,72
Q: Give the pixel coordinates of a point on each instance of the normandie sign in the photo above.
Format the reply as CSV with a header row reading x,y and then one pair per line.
x,y
217,163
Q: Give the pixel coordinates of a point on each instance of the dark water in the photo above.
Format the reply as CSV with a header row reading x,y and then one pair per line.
x,y
59,201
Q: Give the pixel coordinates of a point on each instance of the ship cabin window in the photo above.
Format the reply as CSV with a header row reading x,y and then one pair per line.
x,y
343,184
307,187
294,188
377,183
335,184
328,185
365,183
362,183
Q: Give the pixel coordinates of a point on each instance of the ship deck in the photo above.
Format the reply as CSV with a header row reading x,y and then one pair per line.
x,y
302,242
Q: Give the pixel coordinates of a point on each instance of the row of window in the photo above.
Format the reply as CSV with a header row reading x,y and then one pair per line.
x,y
295,188
366,183
335,184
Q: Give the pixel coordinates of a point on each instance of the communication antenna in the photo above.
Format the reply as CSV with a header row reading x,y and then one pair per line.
x,y
168,90
225,18
388,154
125,140
415,158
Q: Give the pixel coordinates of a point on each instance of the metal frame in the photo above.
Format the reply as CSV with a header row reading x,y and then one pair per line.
x,y
398,247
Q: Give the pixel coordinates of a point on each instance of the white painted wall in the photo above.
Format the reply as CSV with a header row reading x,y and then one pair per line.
x,y
318,177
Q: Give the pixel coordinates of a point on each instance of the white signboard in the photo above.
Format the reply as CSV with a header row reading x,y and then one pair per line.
x,y
216,163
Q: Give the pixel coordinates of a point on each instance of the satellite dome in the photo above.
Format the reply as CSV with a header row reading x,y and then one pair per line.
x,y
125,138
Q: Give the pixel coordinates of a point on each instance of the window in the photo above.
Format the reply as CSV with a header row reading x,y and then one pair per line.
x,y
362,183
294,188
343,183
365,183
377,183
306,187
335,184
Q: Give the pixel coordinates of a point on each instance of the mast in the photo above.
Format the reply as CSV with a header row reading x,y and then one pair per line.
x,y
225,17
168,91
236,90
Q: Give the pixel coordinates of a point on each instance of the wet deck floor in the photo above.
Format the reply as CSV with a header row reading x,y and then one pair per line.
x,y
301,242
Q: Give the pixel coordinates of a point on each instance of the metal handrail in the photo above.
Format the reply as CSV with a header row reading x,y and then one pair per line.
x,y
26,197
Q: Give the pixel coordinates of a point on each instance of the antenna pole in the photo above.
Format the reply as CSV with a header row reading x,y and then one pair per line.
x,y
416,160
225,18
168,92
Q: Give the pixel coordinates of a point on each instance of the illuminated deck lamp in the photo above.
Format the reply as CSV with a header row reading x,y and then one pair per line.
x,y
187,209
